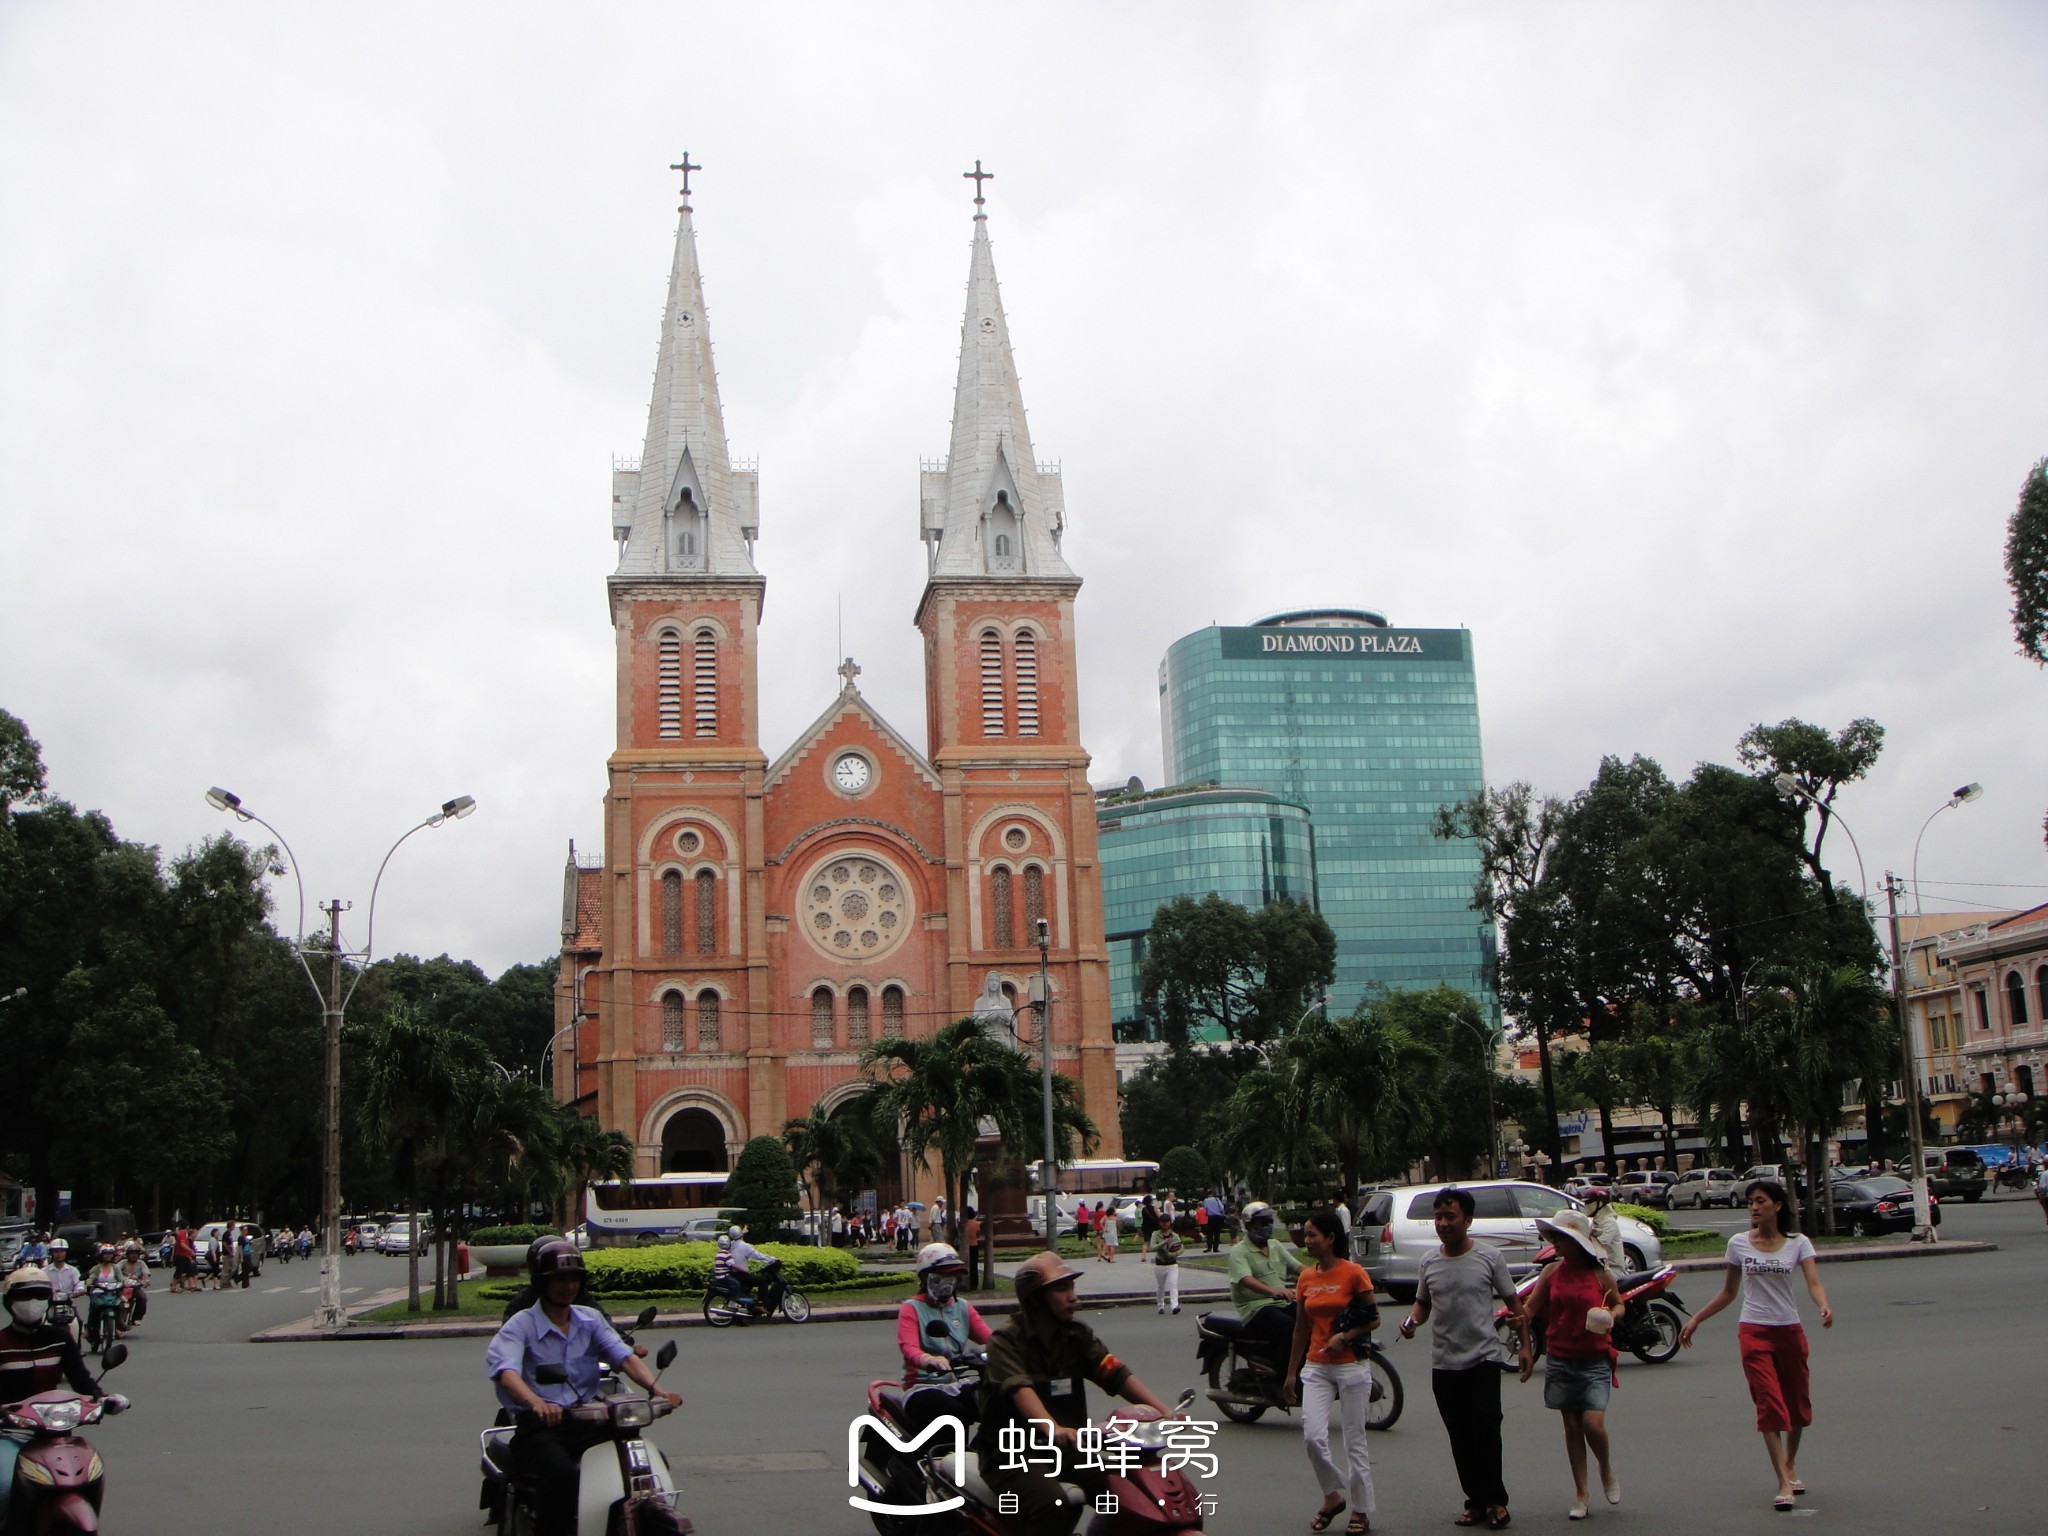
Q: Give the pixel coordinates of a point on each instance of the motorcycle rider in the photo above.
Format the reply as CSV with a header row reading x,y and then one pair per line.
x,y
1259,1272
1606,1227
35,1356
1038,1364
558,1332
103,1286
740,1257
939,1268
135,1274
64,1280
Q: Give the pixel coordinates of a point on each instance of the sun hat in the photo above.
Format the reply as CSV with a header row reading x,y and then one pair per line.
x,y
1573,1227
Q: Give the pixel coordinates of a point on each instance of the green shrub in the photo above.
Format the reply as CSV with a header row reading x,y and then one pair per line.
x,y
504,1237
1656,1221
1185,1171
762,1192
687,1267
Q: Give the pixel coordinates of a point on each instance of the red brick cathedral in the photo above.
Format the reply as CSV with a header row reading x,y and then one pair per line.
x,y
756,922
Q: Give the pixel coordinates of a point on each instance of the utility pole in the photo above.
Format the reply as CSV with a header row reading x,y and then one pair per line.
x,y
1048,1172
329,1313
1909,1074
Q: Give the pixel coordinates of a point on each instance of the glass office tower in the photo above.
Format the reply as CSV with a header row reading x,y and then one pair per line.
x,y
1371,728
1246,845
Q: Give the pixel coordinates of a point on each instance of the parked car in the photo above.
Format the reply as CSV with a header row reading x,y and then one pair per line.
x,y
1956,1172
1651,1189
1756,1173
1701,1187
1399,1227
367,1233
1874,1206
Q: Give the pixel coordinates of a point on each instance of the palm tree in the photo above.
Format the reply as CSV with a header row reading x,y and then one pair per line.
x,y
590,1155
413,1091
817,1145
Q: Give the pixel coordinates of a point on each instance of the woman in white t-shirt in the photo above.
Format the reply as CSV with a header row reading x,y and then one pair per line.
x,y
1761,1263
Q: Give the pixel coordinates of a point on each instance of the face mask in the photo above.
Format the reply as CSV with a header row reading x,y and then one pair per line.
x,y
1260,1232
29,1314
940,1288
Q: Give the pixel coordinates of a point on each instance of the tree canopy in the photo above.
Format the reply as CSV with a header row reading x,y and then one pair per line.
x,y
1211,962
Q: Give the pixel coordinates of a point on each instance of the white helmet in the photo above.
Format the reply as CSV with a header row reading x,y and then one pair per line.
x,y
27,1296
939,1256
734,1233
724,1243
1256,1212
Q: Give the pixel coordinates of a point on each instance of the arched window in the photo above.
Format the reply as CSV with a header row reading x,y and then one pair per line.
x,y
1002,545
707,912
821,1019
892,1013
669,655
991,683
671,1021
707,683
1034,901
1027,683
857,1017
2041,991
672,913
707,1020
2016,997
1002,927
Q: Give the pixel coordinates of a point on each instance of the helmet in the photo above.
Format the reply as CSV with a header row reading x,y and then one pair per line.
x,y
533,1254
1256,1212
27,1295
134,1249
108,1253
734,1233
557,1257
1598,1194
941,1256
724,1243
59,1245
1036,1273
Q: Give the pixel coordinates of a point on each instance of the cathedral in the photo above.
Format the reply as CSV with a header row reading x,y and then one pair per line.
x,y
754,923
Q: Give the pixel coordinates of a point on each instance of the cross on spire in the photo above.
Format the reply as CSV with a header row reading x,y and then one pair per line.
x,y
686,167
977,176
849,671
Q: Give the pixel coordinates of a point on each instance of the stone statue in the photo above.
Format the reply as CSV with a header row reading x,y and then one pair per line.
x,y
992,1007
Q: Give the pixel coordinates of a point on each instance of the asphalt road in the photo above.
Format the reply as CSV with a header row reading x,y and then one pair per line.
x,y
1928,1394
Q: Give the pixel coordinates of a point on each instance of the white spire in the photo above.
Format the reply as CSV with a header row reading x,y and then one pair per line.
x,y
686,511
991,511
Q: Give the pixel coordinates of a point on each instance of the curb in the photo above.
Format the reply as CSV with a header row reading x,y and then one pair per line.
x,y
1857,1255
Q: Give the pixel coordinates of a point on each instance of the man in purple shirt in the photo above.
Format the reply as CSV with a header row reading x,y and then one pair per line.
x,y
579,1340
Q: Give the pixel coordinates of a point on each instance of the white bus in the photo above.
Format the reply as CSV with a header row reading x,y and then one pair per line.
x,y
1102,1176
664,1206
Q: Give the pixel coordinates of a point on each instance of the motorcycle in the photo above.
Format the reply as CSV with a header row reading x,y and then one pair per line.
x,y
623,1486
1147,1501
59,1478
1651,1318
725,1303
108,1307
1246,1375
891,1476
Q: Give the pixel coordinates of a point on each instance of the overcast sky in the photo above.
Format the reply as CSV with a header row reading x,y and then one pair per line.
x,y
1692,356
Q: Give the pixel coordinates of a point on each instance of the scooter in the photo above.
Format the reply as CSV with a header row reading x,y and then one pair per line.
x,y
59,1478
623,1486
1146,1500
888,1475
724,1304
1246,1374
1652,1315
108,1308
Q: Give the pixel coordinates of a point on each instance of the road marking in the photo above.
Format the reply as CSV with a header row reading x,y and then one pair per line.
x,y
351,1290
272,1290
311,1290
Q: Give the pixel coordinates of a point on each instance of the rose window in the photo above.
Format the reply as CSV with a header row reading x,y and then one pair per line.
x,y
1016,838
855,907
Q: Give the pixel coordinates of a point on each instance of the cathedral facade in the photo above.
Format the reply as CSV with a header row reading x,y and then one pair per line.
x,y
754,923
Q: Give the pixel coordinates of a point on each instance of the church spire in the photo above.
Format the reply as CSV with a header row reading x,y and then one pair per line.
x,y
992,511
686,511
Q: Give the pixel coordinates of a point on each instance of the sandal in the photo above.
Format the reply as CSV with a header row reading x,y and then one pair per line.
x,y
1498,1520
1782,1503
1797,1487
1357,1525
1467,1518
1320,1521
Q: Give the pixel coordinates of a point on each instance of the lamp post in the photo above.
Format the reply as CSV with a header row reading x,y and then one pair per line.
x,y
1048,1169
1488,1043
333,1005
1961,797
2014,1098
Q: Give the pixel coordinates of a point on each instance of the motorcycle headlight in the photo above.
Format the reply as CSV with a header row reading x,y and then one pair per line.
x,y
633,1415
96,1469
61,1418
34,1472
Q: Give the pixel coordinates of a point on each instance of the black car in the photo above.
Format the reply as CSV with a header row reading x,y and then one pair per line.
x,y
1875,1206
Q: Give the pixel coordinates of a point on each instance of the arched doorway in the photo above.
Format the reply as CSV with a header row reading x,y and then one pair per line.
x,y
693,1141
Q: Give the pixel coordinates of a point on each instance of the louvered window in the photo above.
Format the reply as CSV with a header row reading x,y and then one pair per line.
x,y
857,1017
892,1013
707,912
671,1021
1034,901
669,653
991,683
1027,683
706,679
821,1019
1002,928
672,913
707,1020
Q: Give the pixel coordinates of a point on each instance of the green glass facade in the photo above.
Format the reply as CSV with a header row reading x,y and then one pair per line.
x,y
1371,728
1246,845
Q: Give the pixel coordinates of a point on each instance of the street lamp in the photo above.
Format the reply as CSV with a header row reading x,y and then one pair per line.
x,y
1488,1043
1962,796
2014,1098
1048,1169
333,1005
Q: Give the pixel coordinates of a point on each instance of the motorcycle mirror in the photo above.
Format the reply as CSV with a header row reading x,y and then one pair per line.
x,y
1185,1401
665,1356
645,1319
550,1375
115,1354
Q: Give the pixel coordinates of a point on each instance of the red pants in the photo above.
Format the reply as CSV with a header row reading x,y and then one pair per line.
x,y
1774,1361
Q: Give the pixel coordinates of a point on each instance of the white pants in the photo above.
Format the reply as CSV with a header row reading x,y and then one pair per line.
x,y
1166,1284
1321,1386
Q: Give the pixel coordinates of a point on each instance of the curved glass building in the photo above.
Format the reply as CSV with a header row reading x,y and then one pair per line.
x,y
1247,845
1371,728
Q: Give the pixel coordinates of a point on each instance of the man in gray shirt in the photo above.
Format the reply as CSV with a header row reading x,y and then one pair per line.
x,y
1461,1287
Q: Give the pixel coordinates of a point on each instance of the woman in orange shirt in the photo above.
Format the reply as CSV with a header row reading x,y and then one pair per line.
x,y
1333,1314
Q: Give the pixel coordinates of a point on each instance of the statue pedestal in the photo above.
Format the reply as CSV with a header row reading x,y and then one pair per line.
x,y
1004,1191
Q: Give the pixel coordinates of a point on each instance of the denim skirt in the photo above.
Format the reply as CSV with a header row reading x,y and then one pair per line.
x,y
1577,1386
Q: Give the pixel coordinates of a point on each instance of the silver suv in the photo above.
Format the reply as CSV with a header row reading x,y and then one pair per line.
x,y
1399,1227
1702,1187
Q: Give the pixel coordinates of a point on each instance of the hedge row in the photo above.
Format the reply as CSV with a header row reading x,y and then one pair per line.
x,y
1655,1220
499,1237
687,1267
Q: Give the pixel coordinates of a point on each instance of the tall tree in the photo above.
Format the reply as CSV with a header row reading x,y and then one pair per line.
x,y
1820,763
2026,568
1211,962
